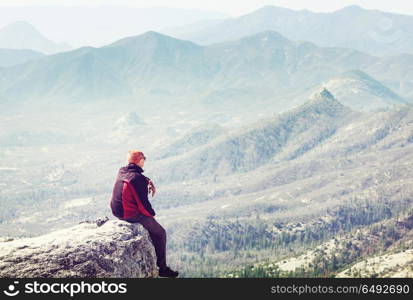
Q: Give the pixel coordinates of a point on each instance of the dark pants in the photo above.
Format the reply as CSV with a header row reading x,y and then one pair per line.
x,y
157,234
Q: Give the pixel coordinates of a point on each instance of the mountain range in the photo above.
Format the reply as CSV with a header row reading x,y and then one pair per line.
x,y
100,24
265,66
372,31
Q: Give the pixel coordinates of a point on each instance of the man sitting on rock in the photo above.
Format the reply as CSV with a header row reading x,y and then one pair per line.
x,y
130,203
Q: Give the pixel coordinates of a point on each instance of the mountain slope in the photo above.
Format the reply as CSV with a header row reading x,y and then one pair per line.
x,y
396,73
321,156
158,61
76,75
196,137
284,137
382,249
361,92
10,57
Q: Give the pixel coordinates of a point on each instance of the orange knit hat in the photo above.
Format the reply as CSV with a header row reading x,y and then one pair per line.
x,y
134,156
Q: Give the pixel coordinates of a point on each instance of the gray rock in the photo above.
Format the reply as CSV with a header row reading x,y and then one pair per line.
x,y
101,248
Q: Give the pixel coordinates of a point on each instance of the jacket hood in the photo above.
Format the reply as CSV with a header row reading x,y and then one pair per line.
x,y
132,168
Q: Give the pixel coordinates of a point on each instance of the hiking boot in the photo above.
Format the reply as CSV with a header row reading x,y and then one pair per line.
x,y
167,272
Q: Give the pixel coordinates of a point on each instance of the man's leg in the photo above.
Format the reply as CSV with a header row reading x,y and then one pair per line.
x,y
157,234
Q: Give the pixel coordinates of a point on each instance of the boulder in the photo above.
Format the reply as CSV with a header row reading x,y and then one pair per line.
x,y
91,249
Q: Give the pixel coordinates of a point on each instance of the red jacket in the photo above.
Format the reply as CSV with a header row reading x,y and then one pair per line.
x,y
130,193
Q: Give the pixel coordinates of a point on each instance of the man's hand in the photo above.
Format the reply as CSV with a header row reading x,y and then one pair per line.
x,y
151,187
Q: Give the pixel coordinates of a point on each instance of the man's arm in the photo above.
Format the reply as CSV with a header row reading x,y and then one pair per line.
x,y
141,186
152,188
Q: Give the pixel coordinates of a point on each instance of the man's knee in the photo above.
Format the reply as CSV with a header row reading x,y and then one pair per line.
x,y
156,228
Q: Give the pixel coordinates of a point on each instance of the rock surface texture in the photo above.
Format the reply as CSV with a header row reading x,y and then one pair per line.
x,y
101,248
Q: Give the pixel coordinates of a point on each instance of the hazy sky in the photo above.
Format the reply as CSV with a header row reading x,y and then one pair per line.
x,y
234,7
100,22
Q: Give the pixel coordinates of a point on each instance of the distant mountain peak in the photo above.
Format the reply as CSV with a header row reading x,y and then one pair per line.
x,y
271,34
351,9
269,6
323,102
269,9
153,33
22,25
20,29
23,35
151,36
323,95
